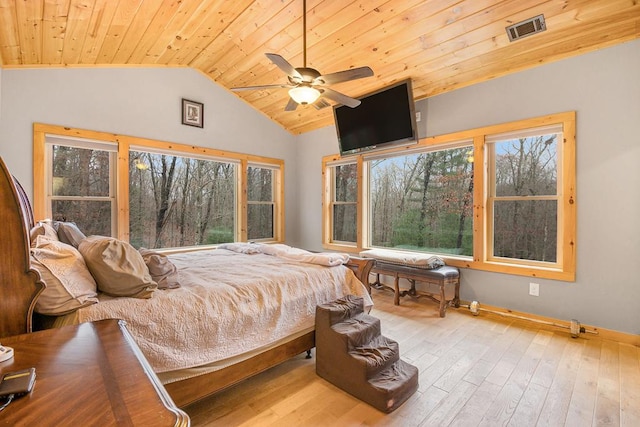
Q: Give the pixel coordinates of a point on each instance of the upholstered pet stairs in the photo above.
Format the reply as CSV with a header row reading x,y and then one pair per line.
x,y
353,355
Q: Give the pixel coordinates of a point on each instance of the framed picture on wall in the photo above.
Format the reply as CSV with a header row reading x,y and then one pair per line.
x,y
192,113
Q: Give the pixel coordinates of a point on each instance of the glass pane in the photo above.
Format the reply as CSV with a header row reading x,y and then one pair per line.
x,y
344,223
80,172
423,202
259,221
259,184
526,230
91,217
527,166
179,201
346,180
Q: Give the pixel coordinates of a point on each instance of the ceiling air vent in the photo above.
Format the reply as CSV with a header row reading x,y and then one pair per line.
x,y
526,28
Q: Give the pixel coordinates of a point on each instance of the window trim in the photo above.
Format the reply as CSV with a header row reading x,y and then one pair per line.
x,y
565,268
124,144
492,197
334,202
328,182
82,144
276,181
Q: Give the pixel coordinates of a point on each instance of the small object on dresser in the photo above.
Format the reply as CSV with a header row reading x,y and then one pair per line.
x,y
17,383
6,353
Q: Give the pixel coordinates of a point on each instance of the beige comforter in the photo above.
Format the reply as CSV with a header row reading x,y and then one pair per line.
x,y
228,303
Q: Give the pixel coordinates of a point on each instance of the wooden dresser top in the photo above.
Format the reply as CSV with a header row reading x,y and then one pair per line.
x,y
89,374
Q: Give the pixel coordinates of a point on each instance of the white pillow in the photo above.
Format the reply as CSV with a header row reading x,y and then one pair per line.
x,y
117,266
69,284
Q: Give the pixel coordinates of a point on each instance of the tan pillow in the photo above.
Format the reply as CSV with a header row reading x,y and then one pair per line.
x,y
42,229
70,285
69,233
118,267
162,270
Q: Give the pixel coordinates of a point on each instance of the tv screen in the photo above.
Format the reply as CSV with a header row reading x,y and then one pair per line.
x,y
385,117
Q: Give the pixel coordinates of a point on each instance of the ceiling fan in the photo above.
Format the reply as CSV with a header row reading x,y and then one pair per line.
x,y
307,85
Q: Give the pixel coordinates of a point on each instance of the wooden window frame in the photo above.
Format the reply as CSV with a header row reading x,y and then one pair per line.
x,y
492,198
335,202
83,144
124,144
564,269
328,202
276,193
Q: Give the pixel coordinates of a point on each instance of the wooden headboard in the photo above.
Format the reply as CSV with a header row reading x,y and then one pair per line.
x,y
19,284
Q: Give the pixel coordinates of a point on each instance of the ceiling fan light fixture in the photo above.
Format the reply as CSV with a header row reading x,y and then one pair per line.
x,y
303,80
304,94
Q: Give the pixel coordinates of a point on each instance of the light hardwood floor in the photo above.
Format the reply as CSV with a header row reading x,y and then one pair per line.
x,y
486,370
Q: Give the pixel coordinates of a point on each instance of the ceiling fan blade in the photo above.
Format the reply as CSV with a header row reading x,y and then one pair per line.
x,y
320,104
344,76
260,87
283,64
291,105
340,98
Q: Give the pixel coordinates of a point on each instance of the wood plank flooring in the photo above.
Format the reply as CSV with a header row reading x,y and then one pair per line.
x,y
474,371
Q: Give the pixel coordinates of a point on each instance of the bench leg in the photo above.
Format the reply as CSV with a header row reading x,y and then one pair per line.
x,y
412,291
396,294
443,301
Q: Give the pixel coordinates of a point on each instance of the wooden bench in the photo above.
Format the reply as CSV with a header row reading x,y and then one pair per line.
x,y
442,277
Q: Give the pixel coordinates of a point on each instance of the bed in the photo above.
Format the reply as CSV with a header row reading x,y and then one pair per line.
x,y
245,277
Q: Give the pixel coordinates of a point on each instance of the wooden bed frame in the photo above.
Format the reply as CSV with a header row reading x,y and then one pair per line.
x,y
20,286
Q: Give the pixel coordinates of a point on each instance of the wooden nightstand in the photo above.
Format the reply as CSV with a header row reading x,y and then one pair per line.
x,y
89,374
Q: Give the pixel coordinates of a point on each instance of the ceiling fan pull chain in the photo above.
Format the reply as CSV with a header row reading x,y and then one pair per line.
x,y
304,33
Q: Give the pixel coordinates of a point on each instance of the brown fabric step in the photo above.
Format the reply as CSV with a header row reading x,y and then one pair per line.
x,y
344,308
377,355
393,386
357,331
353,355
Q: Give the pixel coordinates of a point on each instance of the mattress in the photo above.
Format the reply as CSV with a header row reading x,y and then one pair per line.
x,y
229,306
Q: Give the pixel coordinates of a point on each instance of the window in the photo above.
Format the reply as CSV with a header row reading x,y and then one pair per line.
x,y
523,196
499,198
423,201
81,186
344,190
260,203
155,194
177,201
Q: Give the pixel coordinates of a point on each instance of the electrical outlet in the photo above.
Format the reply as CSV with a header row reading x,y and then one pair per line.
x,y
418,116
534,289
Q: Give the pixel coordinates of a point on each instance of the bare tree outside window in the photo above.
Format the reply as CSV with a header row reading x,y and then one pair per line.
x,y
81,188
525,205
345,198
260,203
179,201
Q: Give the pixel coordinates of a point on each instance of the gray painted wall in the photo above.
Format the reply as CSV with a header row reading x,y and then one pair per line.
x,y
142,102
603,87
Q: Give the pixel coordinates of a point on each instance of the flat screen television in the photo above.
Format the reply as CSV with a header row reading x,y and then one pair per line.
x,y
384,118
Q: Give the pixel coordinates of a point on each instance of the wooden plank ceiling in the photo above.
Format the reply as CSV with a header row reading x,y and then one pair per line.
x,y
441,44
